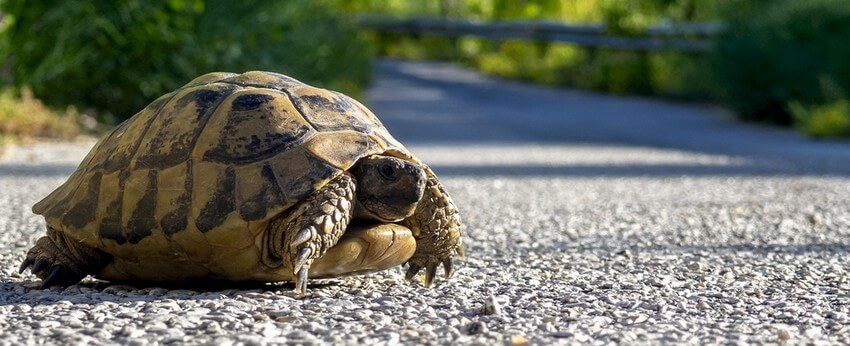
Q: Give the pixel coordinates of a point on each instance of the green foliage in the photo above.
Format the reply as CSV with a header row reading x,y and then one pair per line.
x,y
829,120
418,48
782,51
681,75
623,72
116,56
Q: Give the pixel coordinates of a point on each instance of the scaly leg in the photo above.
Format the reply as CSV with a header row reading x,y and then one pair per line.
x,y
315,225
438,231
58,260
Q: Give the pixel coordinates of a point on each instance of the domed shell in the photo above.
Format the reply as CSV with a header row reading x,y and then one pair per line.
x,y
205,167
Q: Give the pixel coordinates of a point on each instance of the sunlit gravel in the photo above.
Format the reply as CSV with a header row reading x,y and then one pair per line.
x,y
622,253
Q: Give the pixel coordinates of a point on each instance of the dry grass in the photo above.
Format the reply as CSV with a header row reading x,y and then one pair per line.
x,y
23,117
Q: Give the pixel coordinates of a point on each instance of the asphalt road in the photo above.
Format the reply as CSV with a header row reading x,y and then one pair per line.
x,y
590,218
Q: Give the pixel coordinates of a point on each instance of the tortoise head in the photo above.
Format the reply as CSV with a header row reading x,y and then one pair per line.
x,y
388,188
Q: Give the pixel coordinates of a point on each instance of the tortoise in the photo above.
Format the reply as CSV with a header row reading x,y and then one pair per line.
x,y
246,177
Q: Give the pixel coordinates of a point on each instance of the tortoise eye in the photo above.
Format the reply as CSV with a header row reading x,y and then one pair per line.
x,y
388,172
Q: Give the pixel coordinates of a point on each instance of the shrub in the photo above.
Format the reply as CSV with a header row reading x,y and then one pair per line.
x,y
23,116
778,51
828,120
116,56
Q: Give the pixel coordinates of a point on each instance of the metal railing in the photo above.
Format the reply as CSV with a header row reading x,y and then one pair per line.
x,y
696,37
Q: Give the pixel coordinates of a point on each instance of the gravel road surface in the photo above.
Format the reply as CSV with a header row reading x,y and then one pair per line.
x,y
590,218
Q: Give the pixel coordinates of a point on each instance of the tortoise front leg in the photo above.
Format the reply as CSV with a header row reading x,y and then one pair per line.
x,y
438,231
313,227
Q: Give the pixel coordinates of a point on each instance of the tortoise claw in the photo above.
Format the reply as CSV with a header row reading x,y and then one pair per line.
x,y
448,267
40,265
430,272
52,278
411,271
301,281
27,262
302,237
301,269
301,260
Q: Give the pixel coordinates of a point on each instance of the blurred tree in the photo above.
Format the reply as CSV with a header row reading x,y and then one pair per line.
x,y
781,51
116,56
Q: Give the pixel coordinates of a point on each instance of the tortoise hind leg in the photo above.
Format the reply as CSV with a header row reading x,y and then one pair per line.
x,y
58,260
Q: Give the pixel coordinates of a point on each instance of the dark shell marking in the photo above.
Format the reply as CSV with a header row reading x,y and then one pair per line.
x,y
110,225
253,126
221,205
277,132
83,211
173,139
255,207
143,221
176,220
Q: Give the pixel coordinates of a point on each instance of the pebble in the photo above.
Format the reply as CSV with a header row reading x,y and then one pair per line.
x,y
695,266
491,306
518,340
476,327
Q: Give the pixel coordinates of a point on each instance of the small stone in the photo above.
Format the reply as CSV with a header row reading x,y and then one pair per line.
x,y
491,306
213,328
519,340
815,218
131,332
638,318
562,335
261,317
813,332
695,266
47,324
783,334
476,327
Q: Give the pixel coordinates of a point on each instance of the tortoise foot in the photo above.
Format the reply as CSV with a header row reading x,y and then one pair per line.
x,y
61,263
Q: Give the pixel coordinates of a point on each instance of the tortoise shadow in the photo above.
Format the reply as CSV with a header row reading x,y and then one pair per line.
x,y
29,292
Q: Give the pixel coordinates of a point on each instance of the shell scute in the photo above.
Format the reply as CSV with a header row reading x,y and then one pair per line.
x,y
343,148
262,79
330,111
142,212
218,204
257,191
208,78
85,202
171,138
252,125
123,142
298,173
174,198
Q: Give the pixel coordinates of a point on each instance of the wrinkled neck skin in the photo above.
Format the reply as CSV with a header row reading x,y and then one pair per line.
x,y
363,213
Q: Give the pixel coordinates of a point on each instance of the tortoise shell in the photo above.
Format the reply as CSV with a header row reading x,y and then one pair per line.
x,y
200,171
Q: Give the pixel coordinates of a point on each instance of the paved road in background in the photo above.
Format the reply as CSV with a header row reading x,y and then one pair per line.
x,y
589,218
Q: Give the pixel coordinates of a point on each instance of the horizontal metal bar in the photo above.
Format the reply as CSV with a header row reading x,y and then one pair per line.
x,y
686,36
